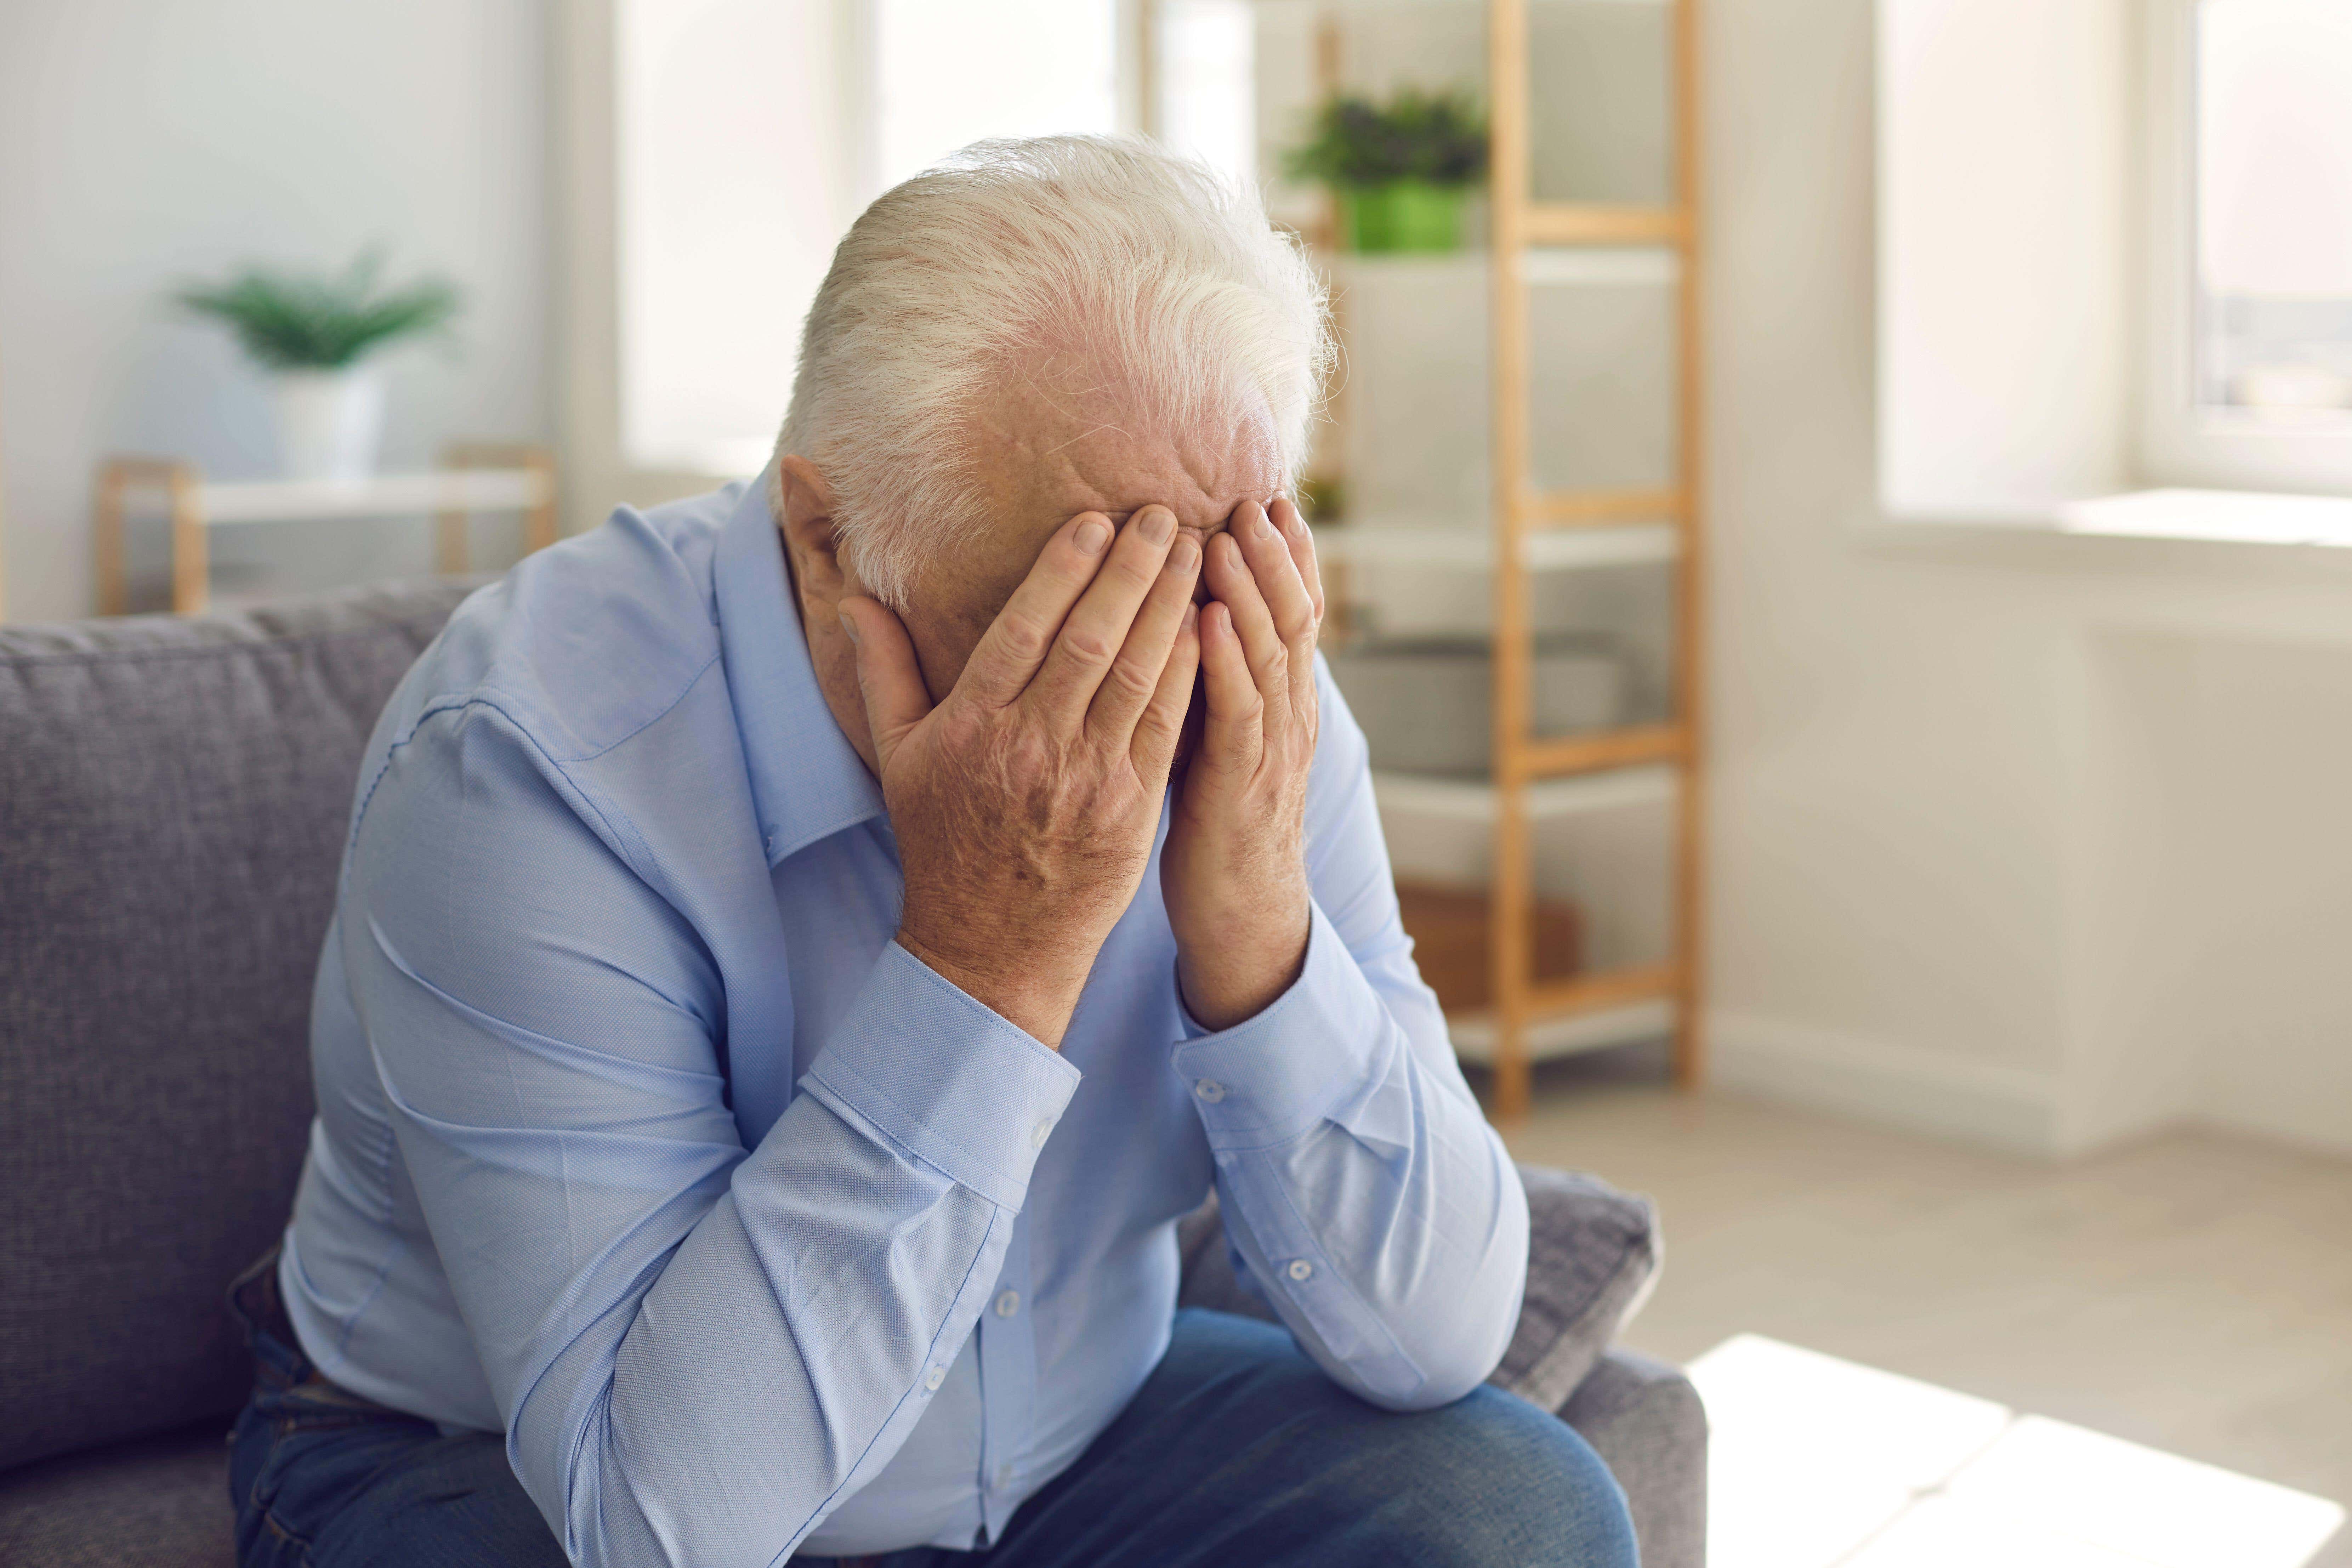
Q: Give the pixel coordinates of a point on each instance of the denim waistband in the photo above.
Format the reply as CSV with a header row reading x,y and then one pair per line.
x,y
278,1362
254,1301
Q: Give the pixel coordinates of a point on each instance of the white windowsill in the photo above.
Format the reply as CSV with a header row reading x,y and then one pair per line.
x,y
2197,528
2227,516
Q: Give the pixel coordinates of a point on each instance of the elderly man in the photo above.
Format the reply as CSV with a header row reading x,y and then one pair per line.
x,y
796,961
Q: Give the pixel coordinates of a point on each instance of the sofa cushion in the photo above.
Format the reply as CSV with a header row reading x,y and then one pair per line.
x,y
174,796
158,1502
1592,1252
1592,1257
1644,1419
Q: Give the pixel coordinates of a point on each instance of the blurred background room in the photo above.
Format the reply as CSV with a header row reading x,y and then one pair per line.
x,y
1836,513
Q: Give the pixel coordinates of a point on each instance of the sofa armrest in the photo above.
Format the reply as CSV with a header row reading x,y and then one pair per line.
x,y
1592,1255
1644,1419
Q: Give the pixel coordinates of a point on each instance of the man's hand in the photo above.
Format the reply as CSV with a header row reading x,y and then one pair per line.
x,y
1234,871
1026,803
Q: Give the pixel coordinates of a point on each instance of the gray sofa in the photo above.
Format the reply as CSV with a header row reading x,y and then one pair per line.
x,y
172,793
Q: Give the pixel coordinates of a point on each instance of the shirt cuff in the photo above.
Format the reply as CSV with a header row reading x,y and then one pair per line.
x,y
1271,1078
956,1085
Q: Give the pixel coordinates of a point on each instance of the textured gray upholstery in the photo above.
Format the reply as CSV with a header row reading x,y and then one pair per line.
x,y
1645,1419
172,798
153,1502
1592,1254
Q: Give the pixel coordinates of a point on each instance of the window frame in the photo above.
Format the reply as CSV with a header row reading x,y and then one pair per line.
x,y
597,471
2180,441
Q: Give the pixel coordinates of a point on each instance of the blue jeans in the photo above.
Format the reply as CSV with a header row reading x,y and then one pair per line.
x,y
1236,1452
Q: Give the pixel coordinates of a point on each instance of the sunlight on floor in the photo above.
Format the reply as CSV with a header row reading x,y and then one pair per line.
x,y
1822,1463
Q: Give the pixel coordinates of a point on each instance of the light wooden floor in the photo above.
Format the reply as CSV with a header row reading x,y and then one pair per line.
x,y
2192,1293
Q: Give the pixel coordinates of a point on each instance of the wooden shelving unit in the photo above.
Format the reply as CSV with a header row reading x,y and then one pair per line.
x,y
474,477
1639,234
1523,514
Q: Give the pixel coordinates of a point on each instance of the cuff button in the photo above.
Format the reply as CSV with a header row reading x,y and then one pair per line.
x,y
1301,1269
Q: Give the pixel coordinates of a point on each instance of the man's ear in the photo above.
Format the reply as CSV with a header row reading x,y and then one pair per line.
x,y
811,542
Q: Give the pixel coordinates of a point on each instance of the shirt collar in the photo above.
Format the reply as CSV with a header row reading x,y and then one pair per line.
x,y
807,781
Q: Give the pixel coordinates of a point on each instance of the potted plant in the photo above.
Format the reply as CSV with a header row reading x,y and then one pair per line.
x,y
314,336
1400,170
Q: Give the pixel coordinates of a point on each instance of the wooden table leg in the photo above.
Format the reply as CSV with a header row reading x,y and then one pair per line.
x,y
539,523
106,536
190,547
538,520
183,488
452,544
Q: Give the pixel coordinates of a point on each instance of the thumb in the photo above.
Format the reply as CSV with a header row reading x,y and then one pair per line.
x,y
887,675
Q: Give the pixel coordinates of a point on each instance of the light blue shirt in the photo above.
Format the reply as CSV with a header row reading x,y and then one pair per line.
x,y
640,1139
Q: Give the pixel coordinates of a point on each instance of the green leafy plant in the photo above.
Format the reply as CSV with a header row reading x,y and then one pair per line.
x,y
289,322
1438,138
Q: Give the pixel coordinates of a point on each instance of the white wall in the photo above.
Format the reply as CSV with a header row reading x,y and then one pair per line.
x,y
2038,841
2004,212
144,142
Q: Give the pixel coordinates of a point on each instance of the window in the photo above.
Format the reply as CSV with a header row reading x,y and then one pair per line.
x,y
2246,333
733,168
1206,96
2274,204
948,73
2115,257
748,134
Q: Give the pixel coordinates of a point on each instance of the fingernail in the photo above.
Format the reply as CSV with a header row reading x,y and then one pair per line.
x,y
1298,524
1157,523
848,627
1192,617
1263,525
1184,557
1092,535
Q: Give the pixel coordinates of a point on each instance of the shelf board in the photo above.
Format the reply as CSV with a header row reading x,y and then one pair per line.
x,y
1614,266
1590,1013
1470,547
1587,509
1347,6
1568,1035
1604,992
240,501
1572,754
1581,223
1628,266
1429,796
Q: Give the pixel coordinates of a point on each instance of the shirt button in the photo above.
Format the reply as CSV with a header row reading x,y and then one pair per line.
x,y
1008,1303
936,1376
1302,1269
1039,1133
1210,1090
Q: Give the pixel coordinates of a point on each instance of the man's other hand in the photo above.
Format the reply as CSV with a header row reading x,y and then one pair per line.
x,y
1234,871
1026,803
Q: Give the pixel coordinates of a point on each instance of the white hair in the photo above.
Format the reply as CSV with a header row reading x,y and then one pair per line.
x,y
1186,309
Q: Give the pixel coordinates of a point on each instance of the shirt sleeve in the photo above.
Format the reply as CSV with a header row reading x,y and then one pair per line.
x,y
1365,1194
698,1348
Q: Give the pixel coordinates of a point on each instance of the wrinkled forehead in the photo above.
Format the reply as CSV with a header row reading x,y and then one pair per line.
x,y
1046,452
1042,455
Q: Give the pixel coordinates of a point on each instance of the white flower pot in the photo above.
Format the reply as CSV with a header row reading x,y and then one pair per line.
x,y
330,423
